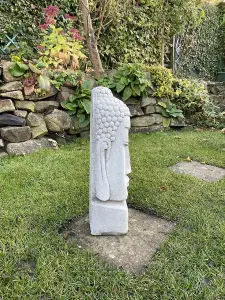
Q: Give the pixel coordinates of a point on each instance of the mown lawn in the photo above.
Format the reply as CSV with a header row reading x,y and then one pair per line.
x,y
39,193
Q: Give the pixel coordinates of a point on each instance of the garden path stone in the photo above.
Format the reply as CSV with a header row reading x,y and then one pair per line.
x,y
131,252
201,171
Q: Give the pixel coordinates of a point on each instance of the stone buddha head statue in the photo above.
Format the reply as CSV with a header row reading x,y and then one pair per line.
x,y
109,146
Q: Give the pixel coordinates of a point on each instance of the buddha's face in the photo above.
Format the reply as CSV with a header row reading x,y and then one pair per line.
x,y
118,163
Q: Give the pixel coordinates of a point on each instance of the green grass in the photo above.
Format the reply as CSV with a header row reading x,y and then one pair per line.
x,y
39,193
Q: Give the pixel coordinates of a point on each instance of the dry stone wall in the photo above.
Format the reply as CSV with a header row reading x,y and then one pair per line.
x,y
28,123
217,93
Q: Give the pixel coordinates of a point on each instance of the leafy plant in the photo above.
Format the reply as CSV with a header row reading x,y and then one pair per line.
x,y
62,77
129,81
60,47
170,110
161,80
79,103
18,68
189,95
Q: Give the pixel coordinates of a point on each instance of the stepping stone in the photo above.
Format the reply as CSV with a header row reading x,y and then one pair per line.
x,y
131,252
201,171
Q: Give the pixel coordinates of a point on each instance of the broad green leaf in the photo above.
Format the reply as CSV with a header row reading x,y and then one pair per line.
x,y
17,69
120,87
127,93
163,104
44,82
88,84
34,69
87,105
137,90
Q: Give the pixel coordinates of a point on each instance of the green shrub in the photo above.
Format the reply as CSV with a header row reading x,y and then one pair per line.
x,y
161,80
189,95
129,81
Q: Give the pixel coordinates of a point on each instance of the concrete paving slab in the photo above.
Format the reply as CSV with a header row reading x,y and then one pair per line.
x,y
132,252
199,170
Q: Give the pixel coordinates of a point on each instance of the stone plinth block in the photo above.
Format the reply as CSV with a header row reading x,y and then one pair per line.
x,y
6,105
109,219
16,134
11,120
30,146
16,95
11,86
57,121
110,164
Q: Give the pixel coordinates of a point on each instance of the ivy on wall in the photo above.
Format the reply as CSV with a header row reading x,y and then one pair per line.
x,y
135,31
202,50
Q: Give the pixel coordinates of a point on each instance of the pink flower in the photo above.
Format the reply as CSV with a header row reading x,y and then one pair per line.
x,y
40,47
43,26
75,34
49,21
68,16
51,11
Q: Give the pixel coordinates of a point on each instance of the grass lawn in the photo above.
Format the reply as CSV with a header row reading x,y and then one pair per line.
x,y
39,193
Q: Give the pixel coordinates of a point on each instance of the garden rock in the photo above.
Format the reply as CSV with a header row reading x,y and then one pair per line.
x,y
64,93
3,154
144,121
148,101
26,105
178,122
20,113
6,105
150,129
159,119
75,128
1,143
53,91
57,121
11,120
135,110
150,109
7,77
42,106
30,146
37,124
11,86
17,95
16,134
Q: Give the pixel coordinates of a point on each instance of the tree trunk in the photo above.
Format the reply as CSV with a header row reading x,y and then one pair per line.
x,y
90,37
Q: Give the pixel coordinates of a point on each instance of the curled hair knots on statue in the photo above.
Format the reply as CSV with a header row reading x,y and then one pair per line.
x,y
109,113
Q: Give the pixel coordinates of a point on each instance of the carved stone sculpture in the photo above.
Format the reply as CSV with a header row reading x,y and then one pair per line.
x,y
110,164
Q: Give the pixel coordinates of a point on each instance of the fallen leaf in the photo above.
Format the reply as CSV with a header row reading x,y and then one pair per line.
x,y
188,159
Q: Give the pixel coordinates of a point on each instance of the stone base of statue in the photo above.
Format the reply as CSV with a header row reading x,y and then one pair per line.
x,y
108,218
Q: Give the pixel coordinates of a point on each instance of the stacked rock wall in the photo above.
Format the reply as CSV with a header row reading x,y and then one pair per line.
x,y
217,93
28,123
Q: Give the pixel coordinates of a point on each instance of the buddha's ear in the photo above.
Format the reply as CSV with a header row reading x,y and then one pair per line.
x,y
102,183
